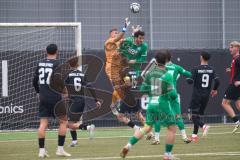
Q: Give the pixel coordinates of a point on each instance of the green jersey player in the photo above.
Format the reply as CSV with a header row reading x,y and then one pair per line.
x,y
134,49
158,84
175,70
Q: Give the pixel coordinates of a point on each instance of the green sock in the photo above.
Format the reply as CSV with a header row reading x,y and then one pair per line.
x,y
133,140
180,123
157,126
168,147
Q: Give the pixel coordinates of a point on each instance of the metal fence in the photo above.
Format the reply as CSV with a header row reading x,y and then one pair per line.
x,y
181,24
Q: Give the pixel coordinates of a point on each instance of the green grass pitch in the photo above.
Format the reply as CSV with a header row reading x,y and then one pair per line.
x,y
218,145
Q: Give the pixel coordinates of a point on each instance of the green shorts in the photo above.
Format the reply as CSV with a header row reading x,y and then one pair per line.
x,y
160,112
175,104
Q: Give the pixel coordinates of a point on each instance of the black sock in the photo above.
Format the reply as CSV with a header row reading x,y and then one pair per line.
x,y
196,122
235,119
83,127
201,124
74,135
131,124
195,130
41,142
61,140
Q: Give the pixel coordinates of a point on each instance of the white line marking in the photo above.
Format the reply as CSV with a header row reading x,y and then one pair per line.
x,y
151,156
159,156
110,137
109,128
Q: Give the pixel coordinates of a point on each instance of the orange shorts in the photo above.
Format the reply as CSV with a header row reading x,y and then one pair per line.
x,y
113,72
114,76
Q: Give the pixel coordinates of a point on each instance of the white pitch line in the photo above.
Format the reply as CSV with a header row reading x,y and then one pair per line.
x,y
159,156
102,129
110,137
53,139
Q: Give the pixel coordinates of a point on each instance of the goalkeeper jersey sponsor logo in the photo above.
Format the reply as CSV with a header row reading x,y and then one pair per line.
x,y
14,109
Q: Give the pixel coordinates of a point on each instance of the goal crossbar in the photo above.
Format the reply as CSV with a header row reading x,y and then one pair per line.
x,y
78,33
63,24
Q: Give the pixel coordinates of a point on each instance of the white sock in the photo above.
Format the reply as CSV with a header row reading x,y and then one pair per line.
x,y
157,135
129,146
88,127
60,148
194,135
237,122
136,127
184,135
168,153
41,150
74,141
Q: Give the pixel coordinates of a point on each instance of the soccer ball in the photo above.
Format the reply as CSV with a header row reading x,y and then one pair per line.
x,y
135,7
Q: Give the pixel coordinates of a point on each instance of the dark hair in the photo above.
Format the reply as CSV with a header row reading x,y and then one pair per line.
x,y
113,29
52,49
205,55
168,55
139,33
161,57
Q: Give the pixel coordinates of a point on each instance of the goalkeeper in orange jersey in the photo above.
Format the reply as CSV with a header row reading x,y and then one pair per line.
x,y
113,67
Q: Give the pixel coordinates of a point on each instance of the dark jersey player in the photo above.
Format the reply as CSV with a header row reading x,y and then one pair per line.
x,y
202,78
48,100
233,91
75,84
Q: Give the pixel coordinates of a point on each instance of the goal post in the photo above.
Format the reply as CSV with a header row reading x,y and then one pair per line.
x,y
22,45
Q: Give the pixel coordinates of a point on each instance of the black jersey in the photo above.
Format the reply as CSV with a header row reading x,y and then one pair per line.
x,y
41,80
202,77
235,70
75,83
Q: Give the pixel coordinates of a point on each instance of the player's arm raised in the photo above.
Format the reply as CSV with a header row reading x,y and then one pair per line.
x,y
124,29
110,44
135,29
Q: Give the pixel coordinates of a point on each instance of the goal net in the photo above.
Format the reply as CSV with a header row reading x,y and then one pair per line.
x,y
22,45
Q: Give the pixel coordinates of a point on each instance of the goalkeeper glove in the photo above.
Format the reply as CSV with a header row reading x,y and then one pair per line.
x,y
135,29
126,24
